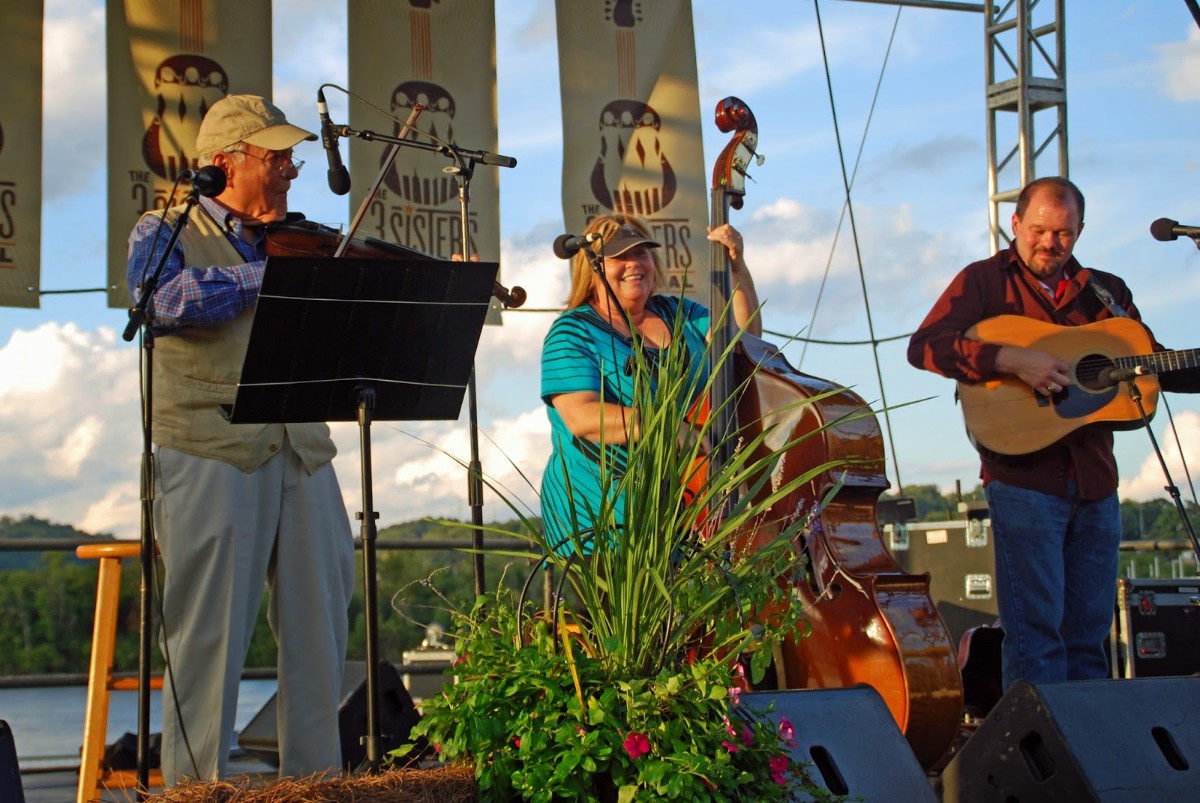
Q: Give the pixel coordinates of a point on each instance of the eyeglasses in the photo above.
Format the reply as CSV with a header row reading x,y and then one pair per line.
x,y
282,166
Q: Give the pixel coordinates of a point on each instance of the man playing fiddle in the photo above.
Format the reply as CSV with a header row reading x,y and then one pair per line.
x,y
237,507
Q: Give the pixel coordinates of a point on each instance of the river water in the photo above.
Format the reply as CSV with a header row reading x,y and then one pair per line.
x,y
47,723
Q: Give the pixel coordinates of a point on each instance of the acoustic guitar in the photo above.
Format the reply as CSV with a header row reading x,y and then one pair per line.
x,y
1007,416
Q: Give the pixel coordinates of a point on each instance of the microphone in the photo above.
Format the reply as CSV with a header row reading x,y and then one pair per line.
x,y
1115,376
339,178
1165,229
208,181
498,160
567,245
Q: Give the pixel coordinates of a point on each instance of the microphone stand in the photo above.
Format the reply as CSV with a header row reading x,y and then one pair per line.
x,y
464,167
138,319
465,161
1135,393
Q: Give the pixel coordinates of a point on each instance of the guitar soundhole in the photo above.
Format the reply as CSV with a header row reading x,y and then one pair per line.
x,y
1088,371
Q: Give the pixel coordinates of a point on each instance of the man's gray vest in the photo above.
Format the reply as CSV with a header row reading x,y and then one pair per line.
x,y
197,369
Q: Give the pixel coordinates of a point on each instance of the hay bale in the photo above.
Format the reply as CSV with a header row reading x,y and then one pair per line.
x,y
452,783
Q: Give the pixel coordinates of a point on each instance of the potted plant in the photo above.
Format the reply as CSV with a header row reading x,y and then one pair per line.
x,y
628,686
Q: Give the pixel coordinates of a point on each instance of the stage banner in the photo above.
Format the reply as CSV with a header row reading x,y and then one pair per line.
x,y
21,153
631,126
441,56
168,62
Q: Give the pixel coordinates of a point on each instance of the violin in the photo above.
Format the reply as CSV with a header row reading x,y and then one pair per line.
x,y
871,622
299,237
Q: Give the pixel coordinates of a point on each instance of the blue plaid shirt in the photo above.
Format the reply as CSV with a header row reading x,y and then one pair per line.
x,y
204,296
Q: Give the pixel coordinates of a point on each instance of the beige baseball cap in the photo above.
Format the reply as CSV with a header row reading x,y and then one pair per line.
x,y
247,118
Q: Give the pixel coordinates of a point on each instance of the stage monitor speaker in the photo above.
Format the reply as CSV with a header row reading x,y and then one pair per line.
x,y
11,790
1092,740
397,716
851,742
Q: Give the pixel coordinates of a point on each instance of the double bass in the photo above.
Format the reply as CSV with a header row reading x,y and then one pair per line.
x,y
871,622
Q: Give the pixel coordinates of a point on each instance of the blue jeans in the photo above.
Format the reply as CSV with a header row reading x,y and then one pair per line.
x,y
1056,580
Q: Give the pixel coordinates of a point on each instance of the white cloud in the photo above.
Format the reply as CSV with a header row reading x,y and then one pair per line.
x,y
69,413
1147,480
1179,64
68,424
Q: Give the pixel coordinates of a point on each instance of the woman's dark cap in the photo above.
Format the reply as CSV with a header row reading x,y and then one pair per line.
x,y
623,239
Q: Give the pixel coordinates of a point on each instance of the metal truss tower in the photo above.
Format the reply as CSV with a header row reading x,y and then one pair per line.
x,y
1026,71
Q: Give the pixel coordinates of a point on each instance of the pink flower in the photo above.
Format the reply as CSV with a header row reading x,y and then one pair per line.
x,y
747,736
779,765
728,726
786,732
735,695
730,746
637,745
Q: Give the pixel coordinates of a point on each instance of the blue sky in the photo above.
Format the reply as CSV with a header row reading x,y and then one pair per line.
x,y
69,437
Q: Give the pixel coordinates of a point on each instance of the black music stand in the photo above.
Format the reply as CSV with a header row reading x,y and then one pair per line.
x,y
363,339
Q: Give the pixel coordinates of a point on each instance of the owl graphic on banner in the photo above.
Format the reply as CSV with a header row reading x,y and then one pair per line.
x,y
186,85
437,116
630,128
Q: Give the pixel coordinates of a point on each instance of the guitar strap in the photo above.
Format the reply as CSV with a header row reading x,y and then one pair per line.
x,y
1106,298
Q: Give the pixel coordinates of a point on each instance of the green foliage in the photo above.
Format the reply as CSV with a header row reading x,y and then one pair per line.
x,y
544,720
40,606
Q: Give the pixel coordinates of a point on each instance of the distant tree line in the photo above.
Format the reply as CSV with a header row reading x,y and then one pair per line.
x,y
48,598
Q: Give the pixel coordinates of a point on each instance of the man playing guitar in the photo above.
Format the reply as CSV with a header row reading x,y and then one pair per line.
x,y
1054,510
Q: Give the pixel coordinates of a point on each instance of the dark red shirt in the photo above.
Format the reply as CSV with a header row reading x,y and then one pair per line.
x,y
1002,285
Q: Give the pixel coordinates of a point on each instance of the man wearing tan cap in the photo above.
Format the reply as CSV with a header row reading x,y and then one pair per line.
x,y
237,507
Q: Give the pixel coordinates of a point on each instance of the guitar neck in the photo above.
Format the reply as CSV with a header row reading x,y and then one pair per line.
x,y
1161,362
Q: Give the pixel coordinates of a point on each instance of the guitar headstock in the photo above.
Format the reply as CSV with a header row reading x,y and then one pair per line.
x,y
729,172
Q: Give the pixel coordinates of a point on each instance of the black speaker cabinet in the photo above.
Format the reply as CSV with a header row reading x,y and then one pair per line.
x,y
397,716
850,740
1122,741
1156,631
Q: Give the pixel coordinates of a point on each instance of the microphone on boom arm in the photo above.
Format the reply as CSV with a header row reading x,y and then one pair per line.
x,y
567,245
339,177
208,181
1166,230
1114,376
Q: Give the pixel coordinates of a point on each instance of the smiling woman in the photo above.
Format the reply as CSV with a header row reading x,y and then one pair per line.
x,y
615,316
